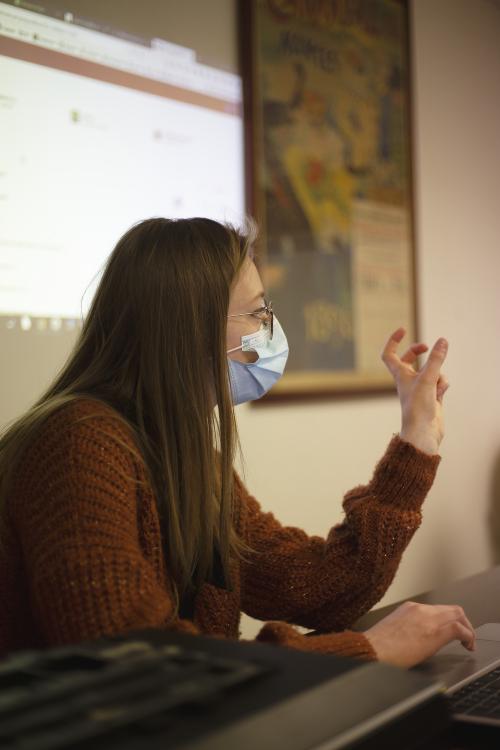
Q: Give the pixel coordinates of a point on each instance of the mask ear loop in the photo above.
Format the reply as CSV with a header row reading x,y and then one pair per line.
x,y
249,335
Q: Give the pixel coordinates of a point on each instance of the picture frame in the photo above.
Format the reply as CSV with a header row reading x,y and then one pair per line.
x,y
328,156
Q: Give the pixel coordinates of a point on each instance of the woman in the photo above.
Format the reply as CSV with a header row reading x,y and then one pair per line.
x,y
119,504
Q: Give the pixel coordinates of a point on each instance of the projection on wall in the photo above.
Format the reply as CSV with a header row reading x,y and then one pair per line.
x,y
100,129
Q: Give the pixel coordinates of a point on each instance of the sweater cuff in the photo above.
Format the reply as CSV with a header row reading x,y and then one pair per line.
x,y
347,643
404,475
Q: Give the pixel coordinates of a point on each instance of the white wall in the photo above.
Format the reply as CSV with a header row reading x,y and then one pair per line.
x,y
301,459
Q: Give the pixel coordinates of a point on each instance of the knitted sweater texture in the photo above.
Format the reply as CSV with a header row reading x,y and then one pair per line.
x,y
81,553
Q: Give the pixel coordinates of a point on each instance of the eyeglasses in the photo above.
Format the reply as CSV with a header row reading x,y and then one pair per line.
x,y
264,314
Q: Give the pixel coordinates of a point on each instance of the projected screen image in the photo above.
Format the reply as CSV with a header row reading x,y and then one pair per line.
x,y
97,133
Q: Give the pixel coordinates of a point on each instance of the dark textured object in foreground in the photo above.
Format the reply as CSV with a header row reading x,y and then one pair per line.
x,y
153,689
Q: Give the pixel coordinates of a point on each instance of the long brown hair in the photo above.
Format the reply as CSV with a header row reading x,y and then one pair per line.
x,y
153,347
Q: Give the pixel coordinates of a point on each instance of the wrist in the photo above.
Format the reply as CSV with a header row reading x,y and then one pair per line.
x,y
420,440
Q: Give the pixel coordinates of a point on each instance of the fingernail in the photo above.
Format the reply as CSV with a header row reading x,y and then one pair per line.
x,y
442,344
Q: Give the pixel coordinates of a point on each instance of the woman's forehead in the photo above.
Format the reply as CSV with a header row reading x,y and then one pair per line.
x,y
249,283
248,287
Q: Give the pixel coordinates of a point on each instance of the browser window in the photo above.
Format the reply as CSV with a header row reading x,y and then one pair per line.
x,y
99,130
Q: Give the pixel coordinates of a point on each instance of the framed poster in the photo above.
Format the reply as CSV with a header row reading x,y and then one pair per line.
x,y
328,157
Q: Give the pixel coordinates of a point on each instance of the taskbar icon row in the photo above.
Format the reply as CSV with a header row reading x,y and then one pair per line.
x,y
41,324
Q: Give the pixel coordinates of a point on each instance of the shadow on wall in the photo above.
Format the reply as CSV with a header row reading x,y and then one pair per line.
x,y
494,514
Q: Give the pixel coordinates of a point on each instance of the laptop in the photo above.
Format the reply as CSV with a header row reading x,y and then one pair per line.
x,y
471,678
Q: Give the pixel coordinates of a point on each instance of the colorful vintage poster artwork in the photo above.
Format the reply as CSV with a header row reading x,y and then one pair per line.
x,y
333,187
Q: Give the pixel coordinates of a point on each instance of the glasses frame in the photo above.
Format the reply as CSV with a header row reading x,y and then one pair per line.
x,y
266,310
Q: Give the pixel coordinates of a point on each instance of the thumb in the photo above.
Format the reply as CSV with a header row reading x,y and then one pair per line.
x,y
441,388
431,370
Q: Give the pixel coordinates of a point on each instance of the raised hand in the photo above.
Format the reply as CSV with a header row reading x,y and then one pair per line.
x,y
420,392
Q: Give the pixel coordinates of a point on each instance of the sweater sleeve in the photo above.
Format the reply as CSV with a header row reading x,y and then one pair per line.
x,y
327,584
76,517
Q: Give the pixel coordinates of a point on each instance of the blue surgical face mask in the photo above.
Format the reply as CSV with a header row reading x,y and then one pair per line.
x,y
251,380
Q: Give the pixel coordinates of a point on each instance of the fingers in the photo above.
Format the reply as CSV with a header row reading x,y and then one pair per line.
x,y
470,627
414,631
431,370
456,631
410,357
448,621
441,388
454,615
469,641
389,352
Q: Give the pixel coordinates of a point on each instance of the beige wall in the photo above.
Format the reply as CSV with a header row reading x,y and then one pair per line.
x,y
301,459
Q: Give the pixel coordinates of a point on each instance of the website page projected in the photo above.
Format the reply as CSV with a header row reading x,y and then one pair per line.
x,y
92,149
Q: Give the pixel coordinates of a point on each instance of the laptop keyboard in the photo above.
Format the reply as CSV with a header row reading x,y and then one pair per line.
x,y
480,698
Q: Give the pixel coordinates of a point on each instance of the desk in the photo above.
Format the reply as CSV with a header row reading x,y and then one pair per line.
x,y
479,595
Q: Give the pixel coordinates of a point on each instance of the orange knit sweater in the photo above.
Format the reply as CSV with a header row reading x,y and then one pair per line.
x,y
81,552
